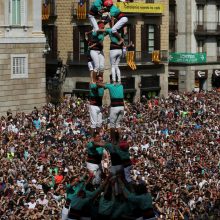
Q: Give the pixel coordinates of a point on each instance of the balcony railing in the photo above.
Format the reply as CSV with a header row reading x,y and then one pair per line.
x,y
207,28
48,9
140,58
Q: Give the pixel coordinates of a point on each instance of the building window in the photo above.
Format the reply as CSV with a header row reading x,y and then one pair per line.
x,y
17,12
200,14
129,36
50,32
80,45
200,46
19,66
218,48
151,36
218,14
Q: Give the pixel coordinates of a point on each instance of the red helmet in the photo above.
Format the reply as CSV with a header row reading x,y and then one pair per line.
x,y
108,3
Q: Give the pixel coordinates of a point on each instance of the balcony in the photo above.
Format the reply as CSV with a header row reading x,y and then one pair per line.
x,y
173,29
139,58
207,29
49,10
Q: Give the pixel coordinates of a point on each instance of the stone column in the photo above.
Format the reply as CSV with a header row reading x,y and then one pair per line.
x,y
164,81
182,80
37,18
137,87
209,80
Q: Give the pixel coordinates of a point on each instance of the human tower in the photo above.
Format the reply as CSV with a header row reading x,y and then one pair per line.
x,y
113,187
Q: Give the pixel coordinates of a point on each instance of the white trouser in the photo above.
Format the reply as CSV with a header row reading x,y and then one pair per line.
x,y
95,113
119,24
116,115
96,170
127,172
93,22
98,60
115,56
91,66
65,212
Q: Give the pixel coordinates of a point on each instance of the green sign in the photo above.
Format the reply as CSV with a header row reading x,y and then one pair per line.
x,y
187,57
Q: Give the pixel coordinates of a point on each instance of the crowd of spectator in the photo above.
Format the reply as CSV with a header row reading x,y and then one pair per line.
x,y
174,146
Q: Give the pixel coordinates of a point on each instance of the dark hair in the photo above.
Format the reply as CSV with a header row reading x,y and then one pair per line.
x,y
95,134
141,189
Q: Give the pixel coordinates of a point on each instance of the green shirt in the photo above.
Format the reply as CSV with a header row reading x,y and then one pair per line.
x,y
92,150
95,91
73,190
105,206
114,11
112,37
78,202
124,154
143,201
97,5
97,37
55,170
115,91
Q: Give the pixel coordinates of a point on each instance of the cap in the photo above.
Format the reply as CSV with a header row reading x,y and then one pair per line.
x,y
108,3
101,24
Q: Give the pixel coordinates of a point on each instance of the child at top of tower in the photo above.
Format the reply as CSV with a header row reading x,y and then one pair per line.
x,y
115,13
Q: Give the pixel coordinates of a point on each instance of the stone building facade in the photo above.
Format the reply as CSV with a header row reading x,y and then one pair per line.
x,y
22,65
148,31
194,44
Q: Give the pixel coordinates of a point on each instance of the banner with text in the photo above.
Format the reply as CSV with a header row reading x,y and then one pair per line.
x,y
187,57
138,7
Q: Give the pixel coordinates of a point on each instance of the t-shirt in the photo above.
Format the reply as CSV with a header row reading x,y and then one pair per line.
x,y
78,202
97,5
112,37
42,202
105,206
97,37
73,190
143,201
114,11
114,152
58,179
94,153
31,205
37,123
124,154
96,95
116,91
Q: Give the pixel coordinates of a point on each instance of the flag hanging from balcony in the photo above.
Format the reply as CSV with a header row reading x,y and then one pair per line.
x,y
156,56
81,10
130,60
45,10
